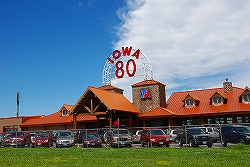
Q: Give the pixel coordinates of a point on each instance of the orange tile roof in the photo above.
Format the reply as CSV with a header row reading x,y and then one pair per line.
x,y
112,100
156,113
147,82
57,118
108,87
176,105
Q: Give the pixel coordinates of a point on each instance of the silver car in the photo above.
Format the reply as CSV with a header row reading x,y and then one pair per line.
x,y
213,132
65,139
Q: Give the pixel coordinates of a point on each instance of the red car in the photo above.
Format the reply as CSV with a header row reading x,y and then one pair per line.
x,y
18,139
92,140
154,137
43,139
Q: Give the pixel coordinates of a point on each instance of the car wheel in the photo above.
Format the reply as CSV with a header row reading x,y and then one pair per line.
x,y
224,143
209,145
241,141
167,145
142,144
180,142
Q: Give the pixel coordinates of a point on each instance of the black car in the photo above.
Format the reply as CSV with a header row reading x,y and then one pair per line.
x,y
235,134
194,137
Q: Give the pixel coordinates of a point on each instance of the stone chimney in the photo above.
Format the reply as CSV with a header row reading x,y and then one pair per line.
x,y
228,86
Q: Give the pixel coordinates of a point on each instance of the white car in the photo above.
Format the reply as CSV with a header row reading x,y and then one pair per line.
x,y
173,134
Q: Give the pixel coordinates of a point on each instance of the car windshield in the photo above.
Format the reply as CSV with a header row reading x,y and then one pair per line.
x,y
243,129
94,135
122,132
178,132
65,134
14,134
43,135
157,132
196,131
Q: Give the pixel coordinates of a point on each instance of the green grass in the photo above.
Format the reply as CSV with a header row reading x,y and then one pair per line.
x,y
230,156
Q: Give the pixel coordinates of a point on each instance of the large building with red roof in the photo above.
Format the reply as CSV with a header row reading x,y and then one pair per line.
x,y
101,107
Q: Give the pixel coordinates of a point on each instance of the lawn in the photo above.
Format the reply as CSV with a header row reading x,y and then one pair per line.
x,y
230,156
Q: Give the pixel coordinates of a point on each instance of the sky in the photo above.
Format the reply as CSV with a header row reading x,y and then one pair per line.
x,y
51,51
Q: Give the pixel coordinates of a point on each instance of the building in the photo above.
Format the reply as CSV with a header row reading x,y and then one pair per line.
x,y
102,107
224,105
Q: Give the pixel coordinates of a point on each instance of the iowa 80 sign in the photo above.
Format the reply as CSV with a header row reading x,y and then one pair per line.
x,y
125,63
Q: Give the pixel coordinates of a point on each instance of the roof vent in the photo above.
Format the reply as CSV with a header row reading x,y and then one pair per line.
x,y
228,86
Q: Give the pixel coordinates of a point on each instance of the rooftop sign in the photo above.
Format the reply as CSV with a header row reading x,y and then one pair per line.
x,y
126,62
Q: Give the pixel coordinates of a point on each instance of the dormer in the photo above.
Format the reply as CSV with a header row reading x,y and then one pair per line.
x,y
217,99
245,96
65,112
190,101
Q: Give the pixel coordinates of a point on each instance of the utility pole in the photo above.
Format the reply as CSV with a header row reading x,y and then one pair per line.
x,y
17,103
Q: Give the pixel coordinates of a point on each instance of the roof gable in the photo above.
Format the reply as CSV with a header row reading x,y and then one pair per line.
x,y
97,101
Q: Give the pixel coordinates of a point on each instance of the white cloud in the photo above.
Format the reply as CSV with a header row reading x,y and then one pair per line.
x,y
191,44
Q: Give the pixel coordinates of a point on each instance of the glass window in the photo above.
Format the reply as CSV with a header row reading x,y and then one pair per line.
x,y
246,97
217,100
189,102
65,112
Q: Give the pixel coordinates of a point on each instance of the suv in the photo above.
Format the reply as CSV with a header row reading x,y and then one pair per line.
x,y
154,137
119,137
195,137
235,134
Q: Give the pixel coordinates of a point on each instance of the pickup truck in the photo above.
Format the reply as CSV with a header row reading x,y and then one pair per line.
x,y
194,137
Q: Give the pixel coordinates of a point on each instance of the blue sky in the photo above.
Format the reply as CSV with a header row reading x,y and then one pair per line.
x,y
51,51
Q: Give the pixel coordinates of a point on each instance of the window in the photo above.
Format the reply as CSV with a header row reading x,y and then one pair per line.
x,y
246,97
189,102
217,100
65,112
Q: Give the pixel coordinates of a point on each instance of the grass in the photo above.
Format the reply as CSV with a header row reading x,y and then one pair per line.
x,y
142,157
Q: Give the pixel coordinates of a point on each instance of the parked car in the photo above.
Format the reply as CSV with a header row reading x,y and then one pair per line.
x,y
43,139
79,136
92,140
119,137
136,136
18,139
65,139
235,134
213,132
154,137
173,134
194,137
1,139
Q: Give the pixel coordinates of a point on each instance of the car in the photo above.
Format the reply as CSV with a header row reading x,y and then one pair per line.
x,y
136,136
79,136
235,134
92,140
1,139
65,139
213,132
154,137
18,139
43,139
194,137
173,134
119,138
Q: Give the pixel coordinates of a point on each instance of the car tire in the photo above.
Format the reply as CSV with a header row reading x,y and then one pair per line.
x,y
167,145
209,145
224,143
142,144
180,143
241,141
